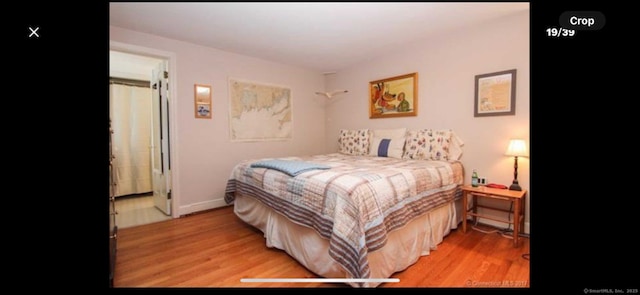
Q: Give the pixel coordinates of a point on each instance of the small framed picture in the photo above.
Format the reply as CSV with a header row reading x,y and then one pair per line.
x,y
495,94
202,98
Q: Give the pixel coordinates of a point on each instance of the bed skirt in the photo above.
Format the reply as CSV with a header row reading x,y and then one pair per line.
x,y
403,248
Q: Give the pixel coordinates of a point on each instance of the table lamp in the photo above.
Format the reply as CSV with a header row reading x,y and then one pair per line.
x,y
517,148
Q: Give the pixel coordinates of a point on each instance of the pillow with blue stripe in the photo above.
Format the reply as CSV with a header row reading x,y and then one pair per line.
x,y
387,147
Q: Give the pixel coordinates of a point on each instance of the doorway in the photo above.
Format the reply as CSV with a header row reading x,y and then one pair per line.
x,y
139,109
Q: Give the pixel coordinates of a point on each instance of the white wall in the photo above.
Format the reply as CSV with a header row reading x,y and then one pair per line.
x,y
446,66
206,155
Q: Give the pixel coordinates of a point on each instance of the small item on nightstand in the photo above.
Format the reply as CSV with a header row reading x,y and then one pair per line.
x,y
474,178
495,185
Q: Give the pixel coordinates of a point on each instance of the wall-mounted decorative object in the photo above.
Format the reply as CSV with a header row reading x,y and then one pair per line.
x,y
495,94
202,98
259,112
331,94
394,97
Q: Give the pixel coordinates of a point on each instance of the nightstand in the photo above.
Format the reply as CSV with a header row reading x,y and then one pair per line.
x,y
517,197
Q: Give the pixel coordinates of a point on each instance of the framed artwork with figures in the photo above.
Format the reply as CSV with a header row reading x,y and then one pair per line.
x,y
394,97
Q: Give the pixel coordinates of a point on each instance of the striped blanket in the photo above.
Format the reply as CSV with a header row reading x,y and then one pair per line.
x,y
355,203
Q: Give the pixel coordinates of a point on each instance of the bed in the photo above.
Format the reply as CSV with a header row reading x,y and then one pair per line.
x,y
354,213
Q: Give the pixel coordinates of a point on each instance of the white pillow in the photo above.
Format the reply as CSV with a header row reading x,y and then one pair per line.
x,y
390,133
388,143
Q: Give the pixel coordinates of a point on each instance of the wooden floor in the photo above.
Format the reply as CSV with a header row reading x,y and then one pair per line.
x,y
216,249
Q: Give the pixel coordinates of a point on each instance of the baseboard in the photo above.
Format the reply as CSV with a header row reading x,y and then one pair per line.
x,y
207,205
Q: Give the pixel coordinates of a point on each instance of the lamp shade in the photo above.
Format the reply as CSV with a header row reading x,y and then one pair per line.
x,y
517,148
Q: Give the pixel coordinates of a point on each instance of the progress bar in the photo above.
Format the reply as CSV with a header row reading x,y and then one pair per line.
x,y
318,280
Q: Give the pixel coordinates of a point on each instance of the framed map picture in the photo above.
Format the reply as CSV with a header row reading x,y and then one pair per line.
x,y
259,111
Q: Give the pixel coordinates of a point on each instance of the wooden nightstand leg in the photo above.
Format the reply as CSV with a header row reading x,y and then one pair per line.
x,y
522,204
516,222
475,208
464,212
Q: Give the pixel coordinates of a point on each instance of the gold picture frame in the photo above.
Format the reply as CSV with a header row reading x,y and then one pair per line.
x,y
202,99
394,97
495,94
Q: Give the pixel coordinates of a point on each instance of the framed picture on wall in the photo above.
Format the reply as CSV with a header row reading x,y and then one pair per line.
x,y
394,97
202,98
495,94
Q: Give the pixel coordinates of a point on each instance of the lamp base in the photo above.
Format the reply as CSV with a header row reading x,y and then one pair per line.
x,y
515,187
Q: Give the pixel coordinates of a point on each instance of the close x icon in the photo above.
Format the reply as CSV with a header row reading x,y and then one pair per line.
x,y
34,32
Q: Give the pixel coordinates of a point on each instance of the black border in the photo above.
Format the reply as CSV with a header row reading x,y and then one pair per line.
x,y
57,120
580,219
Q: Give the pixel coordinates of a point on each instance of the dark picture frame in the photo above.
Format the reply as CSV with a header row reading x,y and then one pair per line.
x,y
495,94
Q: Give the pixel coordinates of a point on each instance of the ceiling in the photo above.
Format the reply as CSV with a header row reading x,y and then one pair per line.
x,y
324,37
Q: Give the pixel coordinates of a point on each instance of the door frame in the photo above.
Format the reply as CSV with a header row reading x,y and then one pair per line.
x,y
173,111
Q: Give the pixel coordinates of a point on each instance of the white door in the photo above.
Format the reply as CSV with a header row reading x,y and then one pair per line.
x,y
160,159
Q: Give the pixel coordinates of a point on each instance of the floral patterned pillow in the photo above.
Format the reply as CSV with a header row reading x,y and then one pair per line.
x,y
354,142
427,144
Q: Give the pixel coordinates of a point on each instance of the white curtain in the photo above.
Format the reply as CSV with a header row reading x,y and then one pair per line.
x,y
130,111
